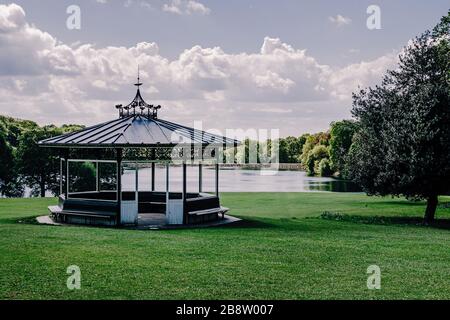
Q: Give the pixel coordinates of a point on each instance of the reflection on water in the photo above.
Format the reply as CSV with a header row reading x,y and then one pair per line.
x,y
238,180
335,186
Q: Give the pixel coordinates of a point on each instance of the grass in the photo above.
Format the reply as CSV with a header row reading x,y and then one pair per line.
x,y
284,250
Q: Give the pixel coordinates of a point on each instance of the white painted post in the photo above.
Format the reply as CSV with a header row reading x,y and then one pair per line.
x,y
174,207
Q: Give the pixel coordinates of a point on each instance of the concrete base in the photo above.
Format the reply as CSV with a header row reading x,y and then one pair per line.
x,y
47,220
227,220
153,221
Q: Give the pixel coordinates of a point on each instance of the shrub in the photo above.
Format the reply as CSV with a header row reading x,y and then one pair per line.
x,y
324,168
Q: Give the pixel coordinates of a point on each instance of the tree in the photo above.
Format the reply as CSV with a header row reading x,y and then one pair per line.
x,y
290,149
301,141
82,176
341,133
403,144
14,128
318,153
10,182
22,160
314,149
6,159
38,166
324,168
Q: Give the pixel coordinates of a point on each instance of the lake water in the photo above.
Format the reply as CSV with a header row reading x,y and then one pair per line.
x,y
238,180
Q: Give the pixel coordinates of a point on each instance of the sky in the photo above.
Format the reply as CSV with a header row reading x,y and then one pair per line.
x,y
233,64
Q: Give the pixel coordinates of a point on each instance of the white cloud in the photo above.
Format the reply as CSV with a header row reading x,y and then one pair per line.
x,y
345,80
141,3
186,7
49,81
340,20
197,7
272,80
274,45
11,17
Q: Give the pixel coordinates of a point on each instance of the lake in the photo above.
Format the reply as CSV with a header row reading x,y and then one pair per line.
x,y
238,180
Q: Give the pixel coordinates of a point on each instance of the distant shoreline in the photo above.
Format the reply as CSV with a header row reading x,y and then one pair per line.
x,y
258,166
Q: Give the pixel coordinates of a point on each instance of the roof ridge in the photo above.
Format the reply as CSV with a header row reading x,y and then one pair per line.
x,y
126,128
137,131
86,130
203,132
123,120
148,129
186,134
157,123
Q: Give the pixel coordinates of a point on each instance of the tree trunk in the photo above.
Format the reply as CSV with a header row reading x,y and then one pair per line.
x,y
432,203
42,191
42,185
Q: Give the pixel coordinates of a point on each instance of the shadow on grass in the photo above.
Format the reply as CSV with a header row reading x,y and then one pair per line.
x,y
247,223
396,202
380,220
23,220
271,224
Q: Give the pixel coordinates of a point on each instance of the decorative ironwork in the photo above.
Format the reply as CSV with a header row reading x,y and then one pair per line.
x,y
138,106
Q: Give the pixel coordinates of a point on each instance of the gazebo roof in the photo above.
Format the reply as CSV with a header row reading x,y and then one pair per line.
x,y
136,131
137,128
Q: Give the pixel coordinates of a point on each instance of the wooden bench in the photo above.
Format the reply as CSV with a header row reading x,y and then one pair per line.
x,y
221,210
56,212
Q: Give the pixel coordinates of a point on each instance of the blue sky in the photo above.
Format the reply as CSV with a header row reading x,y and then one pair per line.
x,y
192,58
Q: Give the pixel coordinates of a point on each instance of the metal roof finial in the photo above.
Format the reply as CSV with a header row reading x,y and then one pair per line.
x,y
139,83
138,102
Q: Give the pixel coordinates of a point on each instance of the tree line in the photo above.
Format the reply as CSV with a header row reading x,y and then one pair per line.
x,y
23,162
323,154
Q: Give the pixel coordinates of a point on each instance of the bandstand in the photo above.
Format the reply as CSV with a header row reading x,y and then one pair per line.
x,y
137,130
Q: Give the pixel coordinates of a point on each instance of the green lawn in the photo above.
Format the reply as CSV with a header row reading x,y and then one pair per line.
x,y
283,251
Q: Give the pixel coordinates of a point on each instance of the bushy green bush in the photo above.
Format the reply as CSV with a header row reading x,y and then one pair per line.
x,y
314,157
324,168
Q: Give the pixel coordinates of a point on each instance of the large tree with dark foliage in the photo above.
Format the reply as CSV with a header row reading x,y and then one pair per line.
x,y
11,183
39,167
6,161
403,144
